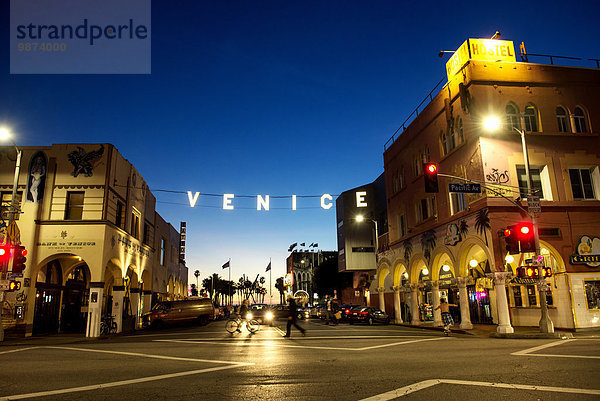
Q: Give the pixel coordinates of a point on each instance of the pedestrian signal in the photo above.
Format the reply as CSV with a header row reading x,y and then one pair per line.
x,y
14,285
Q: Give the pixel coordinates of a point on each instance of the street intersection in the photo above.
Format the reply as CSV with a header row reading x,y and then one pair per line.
x,y
332,362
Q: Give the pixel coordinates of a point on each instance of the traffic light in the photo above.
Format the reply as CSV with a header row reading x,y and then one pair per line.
x,y
524,232
4,253
430,175
512,242
521,272
19,259
546,271
14,285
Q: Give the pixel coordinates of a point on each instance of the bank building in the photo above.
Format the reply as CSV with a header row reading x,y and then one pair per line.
x,y
450,244
96,245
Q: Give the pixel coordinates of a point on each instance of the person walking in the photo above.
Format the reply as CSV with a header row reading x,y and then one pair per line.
x,y
293,310
328,309
444,307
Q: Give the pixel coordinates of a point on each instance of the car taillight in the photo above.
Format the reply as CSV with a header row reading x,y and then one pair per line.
x,y
364,312
347,311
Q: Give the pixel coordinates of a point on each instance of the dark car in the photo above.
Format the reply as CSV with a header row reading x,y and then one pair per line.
x,y
282,312
262,313
345,310
368,315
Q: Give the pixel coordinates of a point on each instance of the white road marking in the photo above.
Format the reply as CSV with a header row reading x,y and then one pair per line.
x,y
279,338
402,391
17,350
229,365
285,345
115,384
172,358
529,351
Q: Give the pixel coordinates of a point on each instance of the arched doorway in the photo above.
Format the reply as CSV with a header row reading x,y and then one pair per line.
x,y
479,286
47,298
74,301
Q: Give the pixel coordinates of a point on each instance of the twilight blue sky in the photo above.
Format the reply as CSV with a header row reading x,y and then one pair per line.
x,y
272,97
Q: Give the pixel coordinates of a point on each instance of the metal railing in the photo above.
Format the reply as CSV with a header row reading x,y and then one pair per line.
x,y
524,59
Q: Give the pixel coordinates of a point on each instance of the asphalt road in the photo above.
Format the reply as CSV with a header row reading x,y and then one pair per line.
x,y
331,363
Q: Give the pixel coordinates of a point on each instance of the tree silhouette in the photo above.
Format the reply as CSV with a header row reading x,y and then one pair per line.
x,y
463,228
407,249
482,223
428,243
197,274
194,290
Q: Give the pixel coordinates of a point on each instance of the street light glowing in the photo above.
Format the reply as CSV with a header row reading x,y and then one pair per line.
x,y
4,134
360,218
425,271
509,259
473,263
491,123
446,268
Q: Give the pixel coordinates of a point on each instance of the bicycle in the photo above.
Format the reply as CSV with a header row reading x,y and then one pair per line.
x,y
234,324
108,325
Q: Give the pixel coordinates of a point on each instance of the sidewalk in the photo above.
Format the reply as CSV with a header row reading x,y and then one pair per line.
x,y
489,330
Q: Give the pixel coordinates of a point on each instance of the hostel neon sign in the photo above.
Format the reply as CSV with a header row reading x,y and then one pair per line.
x,y
263,201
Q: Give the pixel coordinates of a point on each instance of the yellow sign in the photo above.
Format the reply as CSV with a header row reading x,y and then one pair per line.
x,y
480,49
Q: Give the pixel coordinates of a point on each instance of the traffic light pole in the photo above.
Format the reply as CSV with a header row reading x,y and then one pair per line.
x,y
546,325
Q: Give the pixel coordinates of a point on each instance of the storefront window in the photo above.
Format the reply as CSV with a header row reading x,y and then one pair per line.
x,y
531,295
592,293
517,294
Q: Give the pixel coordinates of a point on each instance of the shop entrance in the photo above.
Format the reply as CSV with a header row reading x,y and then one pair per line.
x,y
47,299
74,304
479,305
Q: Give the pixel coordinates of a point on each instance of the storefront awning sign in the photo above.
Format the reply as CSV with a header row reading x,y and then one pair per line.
x,y
588,252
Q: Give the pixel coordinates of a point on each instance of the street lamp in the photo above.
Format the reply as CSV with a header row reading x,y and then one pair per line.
x,y
492,124
360,218
5,134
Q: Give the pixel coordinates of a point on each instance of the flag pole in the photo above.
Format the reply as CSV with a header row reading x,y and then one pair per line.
x,y
229,295
270,284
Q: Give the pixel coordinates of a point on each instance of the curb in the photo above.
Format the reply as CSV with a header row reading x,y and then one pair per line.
x,y
440,329
558,336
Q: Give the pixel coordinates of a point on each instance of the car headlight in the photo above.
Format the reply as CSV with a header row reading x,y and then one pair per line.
x,y
269,316
249,316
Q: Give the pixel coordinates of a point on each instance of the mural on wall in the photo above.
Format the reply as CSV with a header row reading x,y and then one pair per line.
x,y
428,243
407,249
82,161
482,223
453,235
588,252
36,179
463,228
496,177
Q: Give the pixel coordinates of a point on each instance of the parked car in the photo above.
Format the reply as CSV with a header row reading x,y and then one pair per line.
x,y
170,312
368,315
262,313
345,309
282,312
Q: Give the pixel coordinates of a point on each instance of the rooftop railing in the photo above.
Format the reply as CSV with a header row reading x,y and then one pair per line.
x,y
524,58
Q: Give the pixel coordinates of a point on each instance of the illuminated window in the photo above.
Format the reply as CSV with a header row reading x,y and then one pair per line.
x,y
135,224
512,116
163,251
74,207
536,181
579,120
458,203
562,119
530,118
5,204
444,140
581,183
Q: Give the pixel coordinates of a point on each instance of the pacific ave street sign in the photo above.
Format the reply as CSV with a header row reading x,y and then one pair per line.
x,y
466,188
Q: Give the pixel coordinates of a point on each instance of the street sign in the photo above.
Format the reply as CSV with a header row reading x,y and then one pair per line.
x,y
465,188
15,275
13,231
533,204
4,285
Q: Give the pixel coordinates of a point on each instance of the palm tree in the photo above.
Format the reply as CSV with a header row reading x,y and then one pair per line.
x,y
428,243
407,249
482,223
197,274
463,228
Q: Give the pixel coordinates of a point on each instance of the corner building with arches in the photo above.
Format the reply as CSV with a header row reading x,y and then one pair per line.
x,y
447,244
96,245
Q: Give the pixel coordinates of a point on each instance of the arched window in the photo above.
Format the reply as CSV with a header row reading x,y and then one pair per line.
x,y
579,120
512,116
530,118
562,119
444,140
459,130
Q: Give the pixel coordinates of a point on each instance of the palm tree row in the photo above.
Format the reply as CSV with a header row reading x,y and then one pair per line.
x,y
222,291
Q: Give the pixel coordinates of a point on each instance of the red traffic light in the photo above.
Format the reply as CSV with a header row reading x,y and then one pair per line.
x,y
524,230
507,232
430,175
2,251
431,168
